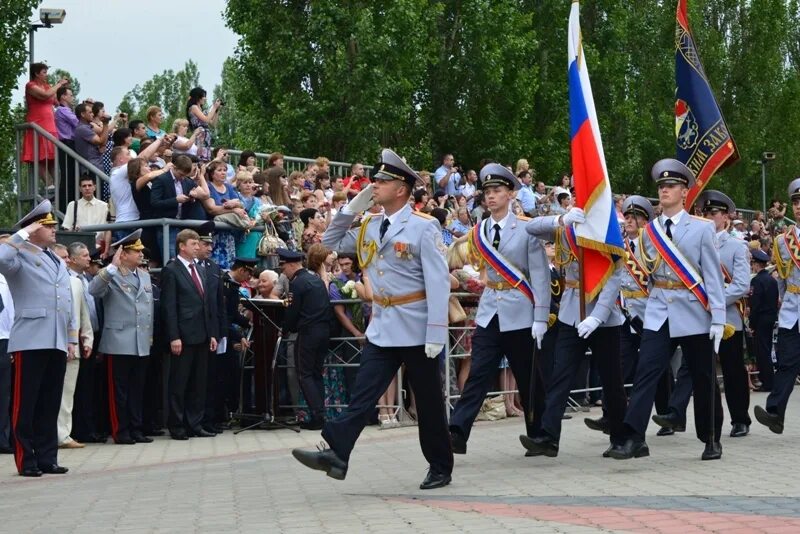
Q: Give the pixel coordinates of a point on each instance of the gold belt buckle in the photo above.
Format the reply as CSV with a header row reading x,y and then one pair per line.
x,y
386,301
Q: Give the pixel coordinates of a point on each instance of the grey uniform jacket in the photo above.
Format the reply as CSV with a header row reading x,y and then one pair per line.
x,y
410,258
735,256
42,296
513,309
789,314
604,306
634,306
128,307
696,239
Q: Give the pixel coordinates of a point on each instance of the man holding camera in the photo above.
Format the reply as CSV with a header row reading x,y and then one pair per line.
x,y
447,176
89,144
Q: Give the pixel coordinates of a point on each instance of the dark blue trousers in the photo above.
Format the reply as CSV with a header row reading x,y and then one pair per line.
x,y
734,376
788,351
569,352
378,366
654,356
489,345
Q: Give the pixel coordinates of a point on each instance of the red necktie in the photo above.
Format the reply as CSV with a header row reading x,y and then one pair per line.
x,y
196,279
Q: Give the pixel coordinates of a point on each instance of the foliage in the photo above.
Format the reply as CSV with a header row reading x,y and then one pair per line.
x,y
14,17
168,90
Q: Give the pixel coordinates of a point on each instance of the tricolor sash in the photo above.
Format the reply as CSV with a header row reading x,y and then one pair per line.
x,y
727,278
499,263
572,241
635,269
673,257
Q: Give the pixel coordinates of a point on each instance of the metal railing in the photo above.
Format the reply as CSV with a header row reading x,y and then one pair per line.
x,y
293,163
29,190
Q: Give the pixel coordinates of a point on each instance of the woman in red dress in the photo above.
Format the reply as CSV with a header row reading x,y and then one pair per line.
x,y
40,99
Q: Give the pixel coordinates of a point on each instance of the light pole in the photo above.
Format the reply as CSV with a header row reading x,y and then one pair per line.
x,y
765,157
48,17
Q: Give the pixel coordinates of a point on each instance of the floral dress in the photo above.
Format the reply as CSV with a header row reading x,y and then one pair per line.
x,y
224,250
204,145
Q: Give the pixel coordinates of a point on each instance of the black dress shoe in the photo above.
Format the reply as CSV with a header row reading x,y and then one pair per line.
x,y
607,452
54,469
124,440
670,420
458,442
630,449
323,459
529,454
713,451
219,429
600,424
739,430
153,432
542,445
30,472
138,437
314,424
180,436
203,433
6,450
435,480
664,431
771,420
210,429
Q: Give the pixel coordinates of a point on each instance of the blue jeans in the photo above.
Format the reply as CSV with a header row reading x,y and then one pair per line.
x,y
173,233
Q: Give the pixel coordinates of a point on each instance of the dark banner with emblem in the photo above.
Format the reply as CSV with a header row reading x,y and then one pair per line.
x,y
702,139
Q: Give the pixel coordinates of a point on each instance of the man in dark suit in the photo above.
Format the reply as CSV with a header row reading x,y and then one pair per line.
x,y
191,327
172,194
763,314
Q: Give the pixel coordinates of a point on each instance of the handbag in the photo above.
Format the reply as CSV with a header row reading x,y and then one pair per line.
x,y
270,241
455,312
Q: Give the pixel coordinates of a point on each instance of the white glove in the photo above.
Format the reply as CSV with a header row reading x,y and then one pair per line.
x,y
587,326
361,203
574,215
538,331
432,350
716,335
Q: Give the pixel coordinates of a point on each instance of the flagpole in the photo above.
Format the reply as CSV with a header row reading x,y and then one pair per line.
x,y
581,284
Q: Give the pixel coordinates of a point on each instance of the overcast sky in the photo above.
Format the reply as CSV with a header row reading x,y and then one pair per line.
x,y
109,46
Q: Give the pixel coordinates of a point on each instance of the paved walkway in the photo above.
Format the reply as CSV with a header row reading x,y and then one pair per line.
x,y
250,483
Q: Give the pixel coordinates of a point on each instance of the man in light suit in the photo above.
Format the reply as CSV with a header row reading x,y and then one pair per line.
x,y
127,294
86,337
403,254
44,333
735,257
637,211
675,316
507,320
599,331
786,255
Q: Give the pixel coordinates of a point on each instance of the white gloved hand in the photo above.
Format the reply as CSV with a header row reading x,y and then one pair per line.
x,y
716,335
432,350
538,330
587,326
574,215
360,203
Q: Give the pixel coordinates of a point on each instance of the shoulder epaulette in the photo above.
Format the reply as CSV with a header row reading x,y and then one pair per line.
x,y
524,218
423,215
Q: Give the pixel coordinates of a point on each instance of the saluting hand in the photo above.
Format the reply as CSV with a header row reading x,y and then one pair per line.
x,y
32,228
116,261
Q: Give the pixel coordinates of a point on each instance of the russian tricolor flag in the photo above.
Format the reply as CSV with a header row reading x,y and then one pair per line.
x,y
600,235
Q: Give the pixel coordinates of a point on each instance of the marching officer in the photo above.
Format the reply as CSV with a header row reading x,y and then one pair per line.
x,y
547,351
403,254
127,294
599,330
513,308
786,255
685,307
734,255
637,211
44,333
763,315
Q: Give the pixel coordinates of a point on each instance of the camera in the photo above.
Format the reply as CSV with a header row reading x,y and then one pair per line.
x,y
221,102
105,118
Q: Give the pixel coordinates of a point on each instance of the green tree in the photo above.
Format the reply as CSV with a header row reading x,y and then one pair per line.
x,y
168,90
14,17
